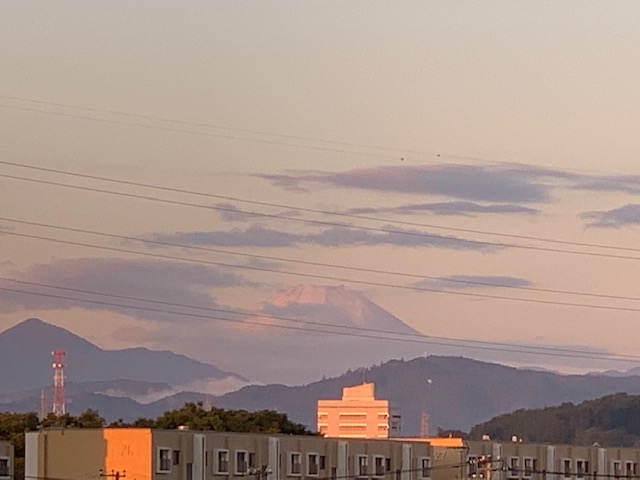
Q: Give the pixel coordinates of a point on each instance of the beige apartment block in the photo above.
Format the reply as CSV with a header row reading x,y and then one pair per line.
x,y
358,415
525,461
6,460
146,454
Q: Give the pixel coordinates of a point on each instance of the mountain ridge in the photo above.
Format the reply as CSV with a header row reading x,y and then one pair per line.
x,y
25,360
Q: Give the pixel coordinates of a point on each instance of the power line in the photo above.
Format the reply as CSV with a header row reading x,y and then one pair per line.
x,y
318,264
328,277
312,210
257,214
220,127
398,150
416,339
249,313
200,133
478,243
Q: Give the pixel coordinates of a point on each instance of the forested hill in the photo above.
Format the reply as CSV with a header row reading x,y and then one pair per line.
x,y
613,420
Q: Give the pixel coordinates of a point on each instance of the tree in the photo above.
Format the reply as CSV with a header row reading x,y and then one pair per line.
x,y
194,416
12,428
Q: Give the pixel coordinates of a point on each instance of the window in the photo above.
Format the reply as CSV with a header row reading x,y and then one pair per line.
x,y
472,466
164,460
378,466
387,464
616,467
566,467
529,467
252,460
222,462
352,428
351,417
323,462
425,467
630,468
176,457
5,467
295,464
242,462
334,473
362,462
582,468
514,467
313,464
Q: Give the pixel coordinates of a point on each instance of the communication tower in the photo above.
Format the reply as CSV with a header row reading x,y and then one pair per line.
x,y
58,382
424,424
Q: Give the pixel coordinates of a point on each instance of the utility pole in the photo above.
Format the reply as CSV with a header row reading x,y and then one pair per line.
x,y
261,473
114,474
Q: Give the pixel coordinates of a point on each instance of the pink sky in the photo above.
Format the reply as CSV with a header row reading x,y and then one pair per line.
x,y
516,118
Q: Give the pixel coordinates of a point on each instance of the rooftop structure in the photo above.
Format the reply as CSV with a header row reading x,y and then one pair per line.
x,y
358,415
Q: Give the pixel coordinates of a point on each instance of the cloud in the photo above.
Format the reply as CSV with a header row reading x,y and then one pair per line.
x,y
465,282
253,236
447,208
512,184
629,184
230,212
161,281
338,236
627,215
210,386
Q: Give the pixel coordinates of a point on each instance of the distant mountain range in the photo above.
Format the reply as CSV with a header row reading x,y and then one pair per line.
x,y
319,330
456,392
25,361
461,393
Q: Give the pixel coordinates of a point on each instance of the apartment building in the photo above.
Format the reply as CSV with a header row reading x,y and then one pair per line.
x,y
6,460
521,461
146,454
358,415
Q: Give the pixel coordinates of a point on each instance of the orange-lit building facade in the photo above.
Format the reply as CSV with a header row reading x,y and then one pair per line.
x,y
146,454
358,415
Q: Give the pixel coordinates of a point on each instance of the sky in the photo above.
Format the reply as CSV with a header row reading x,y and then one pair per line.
x,y
474,152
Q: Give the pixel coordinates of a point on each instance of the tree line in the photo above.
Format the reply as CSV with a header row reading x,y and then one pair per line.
x,y
610,421
192,415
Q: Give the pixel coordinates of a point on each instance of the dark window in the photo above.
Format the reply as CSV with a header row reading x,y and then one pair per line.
x,y
363,463
528,467
295,463
4,467
473,465
313,464
514,467
425,468
164,460
241,462
222,461
617,467
176,457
